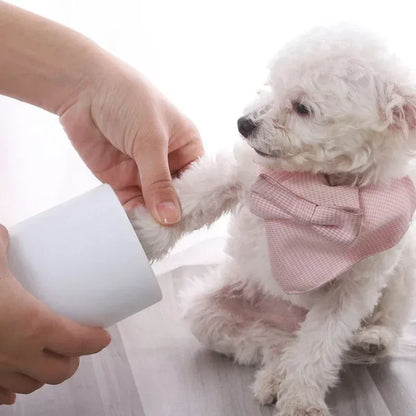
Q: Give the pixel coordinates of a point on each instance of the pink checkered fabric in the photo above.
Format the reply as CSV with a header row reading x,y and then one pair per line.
x,y
316,231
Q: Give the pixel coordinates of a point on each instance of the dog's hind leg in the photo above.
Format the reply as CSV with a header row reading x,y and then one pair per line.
x,y
379,333
229,317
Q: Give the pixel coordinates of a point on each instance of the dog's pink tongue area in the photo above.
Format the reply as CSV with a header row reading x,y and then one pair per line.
x,y
260,309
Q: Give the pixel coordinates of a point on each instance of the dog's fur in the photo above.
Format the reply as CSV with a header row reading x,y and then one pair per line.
x,y
358,129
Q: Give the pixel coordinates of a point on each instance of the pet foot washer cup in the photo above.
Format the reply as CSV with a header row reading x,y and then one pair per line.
x,y
84,260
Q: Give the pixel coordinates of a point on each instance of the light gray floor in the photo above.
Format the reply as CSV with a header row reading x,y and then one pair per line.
x,y
154,367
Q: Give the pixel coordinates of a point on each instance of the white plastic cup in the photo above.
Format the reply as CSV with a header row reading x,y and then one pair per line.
x,y
84,260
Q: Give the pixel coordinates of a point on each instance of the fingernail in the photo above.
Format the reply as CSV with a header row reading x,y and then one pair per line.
x,y
168,212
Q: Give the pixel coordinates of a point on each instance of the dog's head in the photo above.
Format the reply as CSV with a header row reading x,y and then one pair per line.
x,y
336,103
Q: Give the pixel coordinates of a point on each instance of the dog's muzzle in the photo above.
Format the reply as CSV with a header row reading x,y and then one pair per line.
x,y
246,126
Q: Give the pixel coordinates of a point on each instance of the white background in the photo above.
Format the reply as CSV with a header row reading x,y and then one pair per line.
x,y
208,57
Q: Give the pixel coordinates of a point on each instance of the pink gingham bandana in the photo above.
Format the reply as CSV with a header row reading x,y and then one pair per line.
x,y
316,232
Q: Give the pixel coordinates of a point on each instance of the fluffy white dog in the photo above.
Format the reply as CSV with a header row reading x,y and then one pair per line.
x,y
320,259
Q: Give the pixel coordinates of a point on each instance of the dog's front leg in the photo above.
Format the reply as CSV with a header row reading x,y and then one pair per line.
x,y
208,189
309,366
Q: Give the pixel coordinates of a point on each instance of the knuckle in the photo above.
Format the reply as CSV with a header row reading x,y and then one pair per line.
x,y
65,372
30,388
161,186
150,144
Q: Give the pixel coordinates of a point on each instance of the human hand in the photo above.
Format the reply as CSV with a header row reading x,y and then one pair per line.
x,y
126,132
36,345
131,137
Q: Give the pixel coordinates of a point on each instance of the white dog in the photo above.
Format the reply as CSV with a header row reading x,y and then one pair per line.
x,y
320,263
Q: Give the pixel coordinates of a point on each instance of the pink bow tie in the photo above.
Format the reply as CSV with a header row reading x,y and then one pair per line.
x,y
272,201
316,231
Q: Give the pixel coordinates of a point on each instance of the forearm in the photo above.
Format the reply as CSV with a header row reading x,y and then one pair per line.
x,y
43,63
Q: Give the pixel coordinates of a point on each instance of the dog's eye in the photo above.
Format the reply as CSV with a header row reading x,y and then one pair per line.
x,y
301,109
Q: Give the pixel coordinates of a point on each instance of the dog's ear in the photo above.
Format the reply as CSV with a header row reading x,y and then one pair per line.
x,y
399,105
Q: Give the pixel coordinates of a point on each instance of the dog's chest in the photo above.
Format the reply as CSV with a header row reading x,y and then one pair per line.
x,y
248,241
248,246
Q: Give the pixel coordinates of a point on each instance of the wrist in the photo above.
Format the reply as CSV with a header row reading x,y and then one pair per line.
x,y
80,83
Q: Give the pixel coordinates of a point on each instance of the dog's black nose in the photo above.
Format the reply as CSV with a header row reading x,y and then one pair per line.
x,y
245,126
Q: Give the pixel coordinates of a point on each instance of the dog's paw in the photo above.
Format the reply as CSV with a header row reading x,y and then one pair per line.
x,y
373,342
266,385
304,412
295,409
297,397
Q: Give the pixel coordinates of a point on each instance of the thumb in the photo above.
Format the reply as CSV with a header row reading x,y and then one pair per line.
x,y
4,246
158,191
73,340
